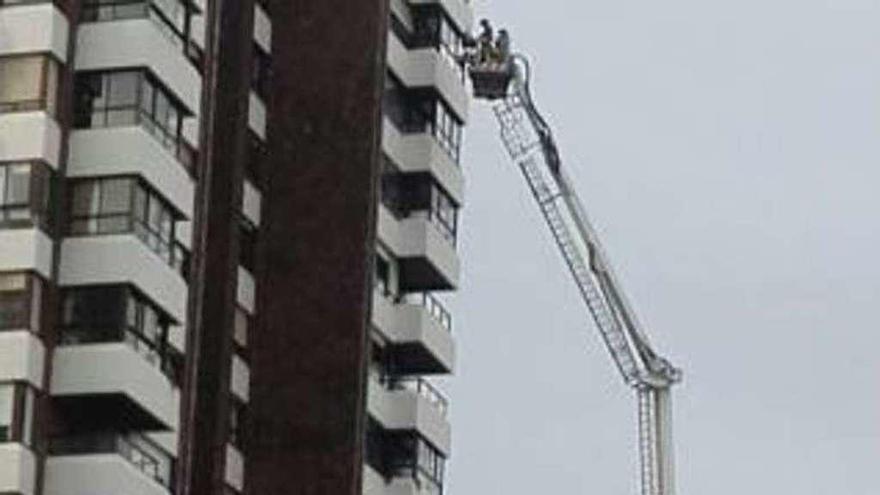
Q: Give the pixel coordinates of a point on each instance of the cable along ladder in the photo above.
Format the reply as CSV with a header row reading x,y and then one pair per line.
x,y
529,142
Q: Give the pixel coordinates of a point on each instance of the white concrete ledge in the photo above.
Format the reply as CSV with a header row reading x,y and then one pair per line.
x,y
26,249
22,358
425,67
262,28
234,474
421,153
416,237
18,469
407,410
115,368
33,28
251,203
257,115
131,150
98,474
30,135
240,380
246,290
139,43
411,324
110,259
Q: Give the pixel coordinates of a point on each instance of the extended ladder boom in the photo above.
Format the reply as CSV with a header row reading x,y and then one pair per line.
x,y
530,144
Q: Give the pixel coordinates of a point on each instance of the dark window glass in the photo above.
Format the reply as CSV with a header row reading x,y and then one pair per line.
x,y
420,110
25,189
20,301
116,313
261,72
126,205
132,97
247,245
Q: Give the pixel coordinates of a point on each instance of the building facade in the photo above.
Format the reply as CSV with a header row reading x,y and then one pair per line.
x,y
226,228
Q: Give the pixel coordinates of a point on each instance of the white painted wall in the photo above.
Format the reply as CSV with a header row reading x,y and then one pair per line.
x,y
22,356
123,258
97,474
30,135
115,368
251,203
131,150
26,249
262,28
17,469
32,29
240,379
138,42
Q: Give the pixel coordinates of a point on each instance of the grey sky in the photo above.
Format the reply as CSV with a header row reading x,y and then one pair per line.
x,y
728,153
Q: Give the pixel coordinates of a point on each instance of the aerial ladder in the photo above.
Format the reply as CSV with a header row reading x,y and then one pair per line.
x,y
503,78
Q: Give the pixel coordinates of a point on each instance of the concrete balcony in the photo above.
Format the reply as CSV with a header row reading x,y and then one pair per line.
x,y
22,356
131,150
420,152
26,249
113,259
108,464
427,256
114,384
33,29
427,67
374,483
460,11
413,485
18,469
419,333
29,136
410,405
144,43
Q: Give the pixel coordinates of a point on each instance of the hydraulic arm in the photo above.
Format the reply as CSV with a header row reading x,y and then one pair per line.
x,y
529,141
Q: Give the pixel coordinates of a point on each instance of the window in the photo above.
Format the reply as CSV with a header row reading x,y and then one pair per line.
x,y
261,72
17,408
26,190
241,328
237,422
432,28
121,205
256,159
247,245
20,301
408,454
422,110
117,313
7,403
28,83
383,270
172,17
417,194
133,97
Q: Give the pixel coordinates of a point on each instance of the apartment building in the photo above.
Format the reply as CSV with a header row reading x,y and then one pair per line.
x,y
223,244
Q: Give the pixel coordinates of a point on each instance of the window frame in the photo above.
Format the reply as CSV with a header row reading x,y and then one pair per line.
x,y
47,94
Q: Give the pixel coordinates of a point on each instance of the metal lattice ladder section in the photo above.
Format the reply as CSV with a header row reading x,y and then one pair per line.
x,y
524,148
648,441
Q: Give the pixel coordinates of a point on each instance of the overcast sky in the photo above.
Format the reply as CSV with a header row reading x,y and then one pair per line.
x,y
728,153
